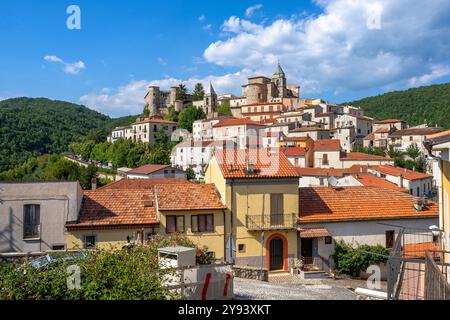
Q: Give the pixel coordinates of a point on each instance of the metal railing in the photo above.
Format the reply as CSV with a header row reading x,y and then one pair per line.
x,y
414,251
271,221
436,279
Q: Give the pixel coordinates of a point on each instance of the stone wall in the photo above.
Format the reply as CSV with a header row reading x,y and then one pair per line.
x,y
251,273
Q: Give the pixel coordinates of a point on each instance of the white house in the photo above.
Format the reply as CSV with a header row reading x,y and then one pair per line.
x,y
402,139
418,184
357,216
151,171
196,154
241,131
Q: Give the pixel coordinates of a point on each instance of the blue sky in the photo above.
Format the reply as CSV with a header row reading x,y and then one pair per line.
x,y
337,50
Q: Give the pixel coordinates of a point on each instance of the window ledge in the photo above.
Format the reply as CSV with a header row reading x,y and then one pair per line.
x,y
32,239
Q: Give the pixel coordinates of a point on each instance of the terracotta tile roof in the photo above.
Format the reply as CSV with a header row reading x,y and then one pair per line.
x,y
313,233
308,129
327,145
116,207
396,171
351,156
388,121
236,122
369,180
263,104
156,120
191,196
382,130
294,151
370,137
417,250
272,134
416,132
148,169
358,203
266,164
440,134
138,184
285,138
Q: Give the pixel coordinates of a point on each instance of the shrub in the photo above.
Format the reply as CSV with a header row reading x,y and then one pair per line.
x,y
127,274
351,261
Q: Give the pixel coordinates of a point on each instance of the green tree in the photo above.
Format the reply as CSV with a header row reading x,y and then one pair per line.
x,y
413,151
224,109
199,92
190,174
393,153
182,92
172,114
188,116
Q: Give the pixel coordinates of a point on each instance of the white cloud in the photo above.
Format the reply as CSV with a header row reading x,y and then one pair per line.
x,y
70,68
207,27
202,18
161,61
250,10
353,45
129,99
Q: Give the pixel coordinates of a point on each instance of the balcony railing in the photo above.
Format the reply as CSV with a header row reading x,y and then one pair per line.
x,y
271,222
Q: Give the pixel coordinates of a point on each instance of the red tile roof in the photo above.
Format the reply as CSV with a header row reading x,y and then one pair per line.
x,y
388,121
416,132
327,145
138,184
369,180
116,207
397,172
266,164
236,122
324,204
418,250
351,156
191,196
156,120
313,233
148,169
294,151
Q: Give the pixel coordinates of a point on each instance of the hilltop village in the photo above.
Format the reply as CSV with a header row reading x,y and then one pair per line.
x,y
276,180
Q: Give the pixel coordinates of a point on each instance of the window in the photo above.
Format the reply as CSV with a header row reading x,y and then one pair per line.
x,y
241,248
203,223
32,221
58,247
325,159
321,181
90,242
390,238
175,224
328,240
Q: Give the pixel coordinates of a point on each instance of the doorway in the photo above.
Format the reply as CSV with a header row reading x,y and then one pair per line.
x,y
276,254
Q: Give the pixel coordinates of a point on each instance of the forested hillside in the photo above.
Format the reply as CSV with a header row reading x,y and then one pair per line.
x,y
429,105
34,126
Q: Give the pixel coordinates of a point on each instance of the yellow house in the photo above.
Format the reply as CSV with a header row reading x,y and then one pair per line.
x,y
439,147
260,191
131,210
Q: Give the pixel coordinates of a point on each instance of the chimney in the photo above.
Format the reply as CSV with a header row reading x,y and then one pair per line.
x,y
401,181
420,204
94,183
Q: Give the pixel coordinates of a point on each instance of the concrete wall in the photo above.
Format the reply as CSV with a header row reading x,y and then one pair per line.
x,y
59,202
105,239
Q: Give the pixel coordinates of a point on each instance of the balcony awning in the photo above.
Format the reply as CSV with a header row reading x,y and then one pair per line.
x,y
313,233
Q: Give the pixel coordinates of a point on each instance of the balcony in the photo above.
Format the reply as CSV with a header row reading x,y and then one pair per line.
x,y
286,221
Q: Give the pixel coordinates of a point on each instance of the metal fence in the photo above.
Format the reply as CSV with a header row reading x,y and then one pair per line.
x,y
436,280
410,273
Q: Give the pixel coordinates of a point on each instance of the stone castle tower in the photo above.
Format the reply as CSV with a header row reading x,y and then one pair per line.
x,y
210,102
280,83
